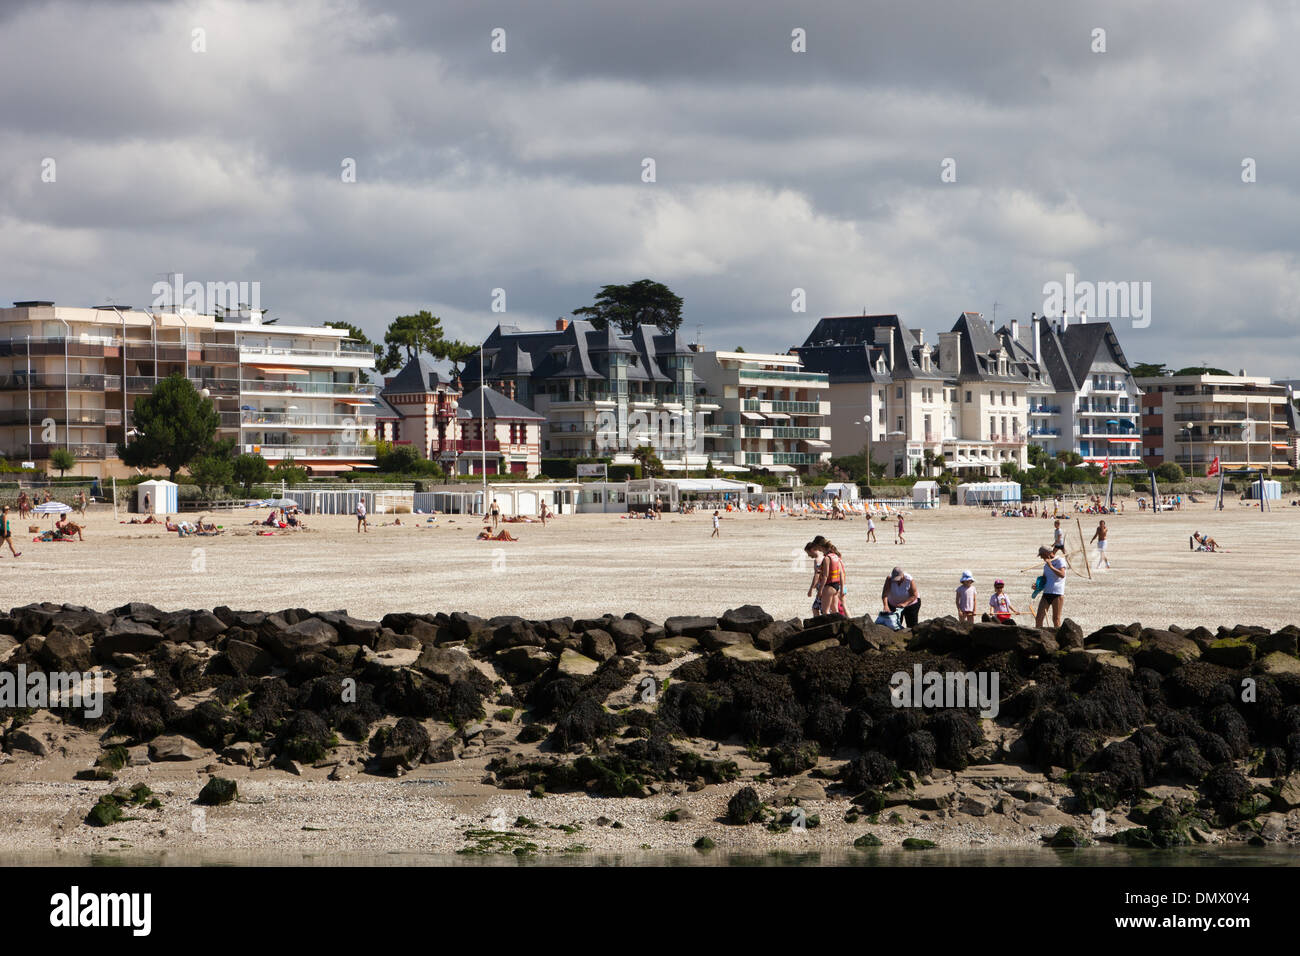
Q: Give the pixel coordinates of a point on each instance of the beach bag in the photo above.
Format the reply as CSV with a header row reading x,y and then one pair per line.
x,y
891,619
1040,582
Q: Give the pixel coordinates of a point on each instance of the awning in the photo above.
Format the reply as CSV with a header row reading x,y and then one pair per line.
x,y
279,369
815,443
1123,441
752,416
778,416
354,401
779,468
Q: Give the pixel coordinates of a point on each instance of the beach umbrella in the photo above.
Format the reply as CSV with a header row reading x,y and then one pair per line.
x,y
281,503
52,508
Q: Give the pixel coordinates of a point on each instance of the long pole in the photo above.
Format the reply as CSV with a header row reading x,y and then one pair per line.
x,y
482,407
29,397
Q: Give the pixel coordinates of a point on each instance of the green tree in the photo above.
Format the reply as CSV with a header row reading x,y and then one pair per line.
x,y
1149,370
457,353
174,424
409,335
250,469
212,471
286,471
1202,370
63,459
1170,471
644,302
651,466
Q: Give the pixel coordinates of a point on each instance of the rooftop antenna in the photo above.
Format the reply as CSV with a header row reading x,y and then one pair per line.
x,y
995,313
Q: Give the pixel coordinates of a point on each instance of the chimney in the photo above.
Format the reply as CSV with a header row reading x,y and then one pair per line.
x,y
1038,337
950,353
920,336
1083,318
1065,320
1015,331
561,324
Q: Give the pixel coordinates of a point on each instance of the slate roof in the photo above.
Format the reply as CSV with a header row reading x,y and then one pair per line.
x,y
578,351
417,376
496,406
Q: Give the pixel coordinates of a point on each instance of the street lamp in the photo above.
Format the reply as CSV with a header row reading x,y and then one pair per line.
x,y
1185,435
867,425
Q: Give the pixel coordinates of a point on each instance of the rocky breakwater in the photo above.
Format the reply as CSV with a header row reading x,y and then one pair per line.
x,y
1145,736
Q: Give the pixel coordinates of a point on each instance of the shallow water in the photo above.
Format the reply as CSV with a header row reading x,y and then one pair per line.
x,y
1234,856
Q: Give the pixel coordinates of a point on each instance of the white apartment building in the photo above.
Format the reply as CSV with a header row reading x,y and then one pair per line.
x,y
69,378
772,412
902,397
1086,399
1245,421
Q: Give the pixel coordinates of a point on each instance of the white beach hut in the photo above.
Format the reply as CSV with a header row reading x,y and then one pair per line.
x,y
162,497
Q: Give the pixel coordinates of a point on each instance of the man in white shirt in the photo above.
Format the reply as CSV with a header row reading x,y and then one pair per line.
x,y
362,524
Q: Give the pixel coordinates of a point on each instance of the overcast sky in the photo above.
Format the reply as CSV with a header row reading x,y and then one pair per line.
x,y
775,170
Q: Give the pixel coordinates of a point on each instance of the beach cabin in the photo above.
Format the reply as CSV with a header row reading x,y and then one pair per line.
x,y
1270,489
846,491
161,494
925,494
986,493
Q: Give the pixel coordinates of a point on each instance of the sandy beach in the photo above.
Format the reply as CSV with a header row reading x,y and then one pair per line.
x,y
586,565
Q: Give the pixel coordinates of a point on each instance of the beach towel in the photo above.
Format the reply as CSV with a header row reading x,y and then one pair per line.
x,y
1039,584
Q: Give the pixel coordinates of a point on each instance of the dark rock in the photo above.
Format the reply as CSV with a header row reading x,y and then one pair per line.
x,y
749,619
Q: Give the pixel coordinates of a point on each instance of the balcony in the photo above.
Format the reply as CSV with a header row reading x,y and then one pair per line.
x,y
572,428
1044,409
76,417
308,388
299,452
788,407
349,352
20,381
468,445
83,451
1044,433
256,419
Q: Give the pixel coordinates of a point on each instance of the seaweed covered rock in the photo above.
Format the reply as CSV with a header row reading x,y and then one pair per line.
x,y
744,806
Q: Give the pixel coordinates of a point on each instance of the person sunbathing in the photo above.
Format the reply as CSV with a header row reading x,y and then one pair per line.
x,y
68,529
1199,542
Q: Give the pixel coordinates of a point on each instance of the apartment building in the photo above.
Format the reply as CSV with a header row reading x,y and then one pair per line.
x,y
771,411
69,378
600,393
902,397
1244,421
1086,399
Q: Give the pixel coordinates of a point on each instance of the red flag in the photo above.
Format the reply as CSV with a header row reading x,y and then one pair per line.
x,y
1214,467
1105,465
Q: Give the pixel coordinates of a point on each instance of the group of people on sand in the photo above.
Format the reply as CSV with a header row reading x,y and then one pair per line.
x,y
200,527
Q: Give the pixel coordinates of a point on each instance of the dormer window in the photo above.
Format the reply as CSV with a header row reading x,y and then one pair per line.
x,y
1002,363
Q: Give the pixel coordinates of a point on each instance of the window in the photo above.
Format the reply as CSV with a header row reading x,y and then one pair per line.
x,y
993,426
898,392
900,423
968,397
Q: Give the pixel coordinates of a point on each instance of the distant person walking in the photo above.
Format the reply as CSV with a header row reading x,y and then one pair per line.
x,y
898,537
1100,537
1058,537
717,525
1054,569
900,593
362,523
6,533
496,514
871,529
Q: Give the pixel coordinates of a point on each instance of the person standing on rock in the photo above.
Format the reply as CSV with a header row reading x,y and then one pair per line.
x,y
900,594
1000,604
1054,569
966,598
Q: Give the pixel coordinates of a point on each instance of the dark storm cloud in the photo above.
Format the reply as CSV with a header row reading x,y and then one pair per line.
x,y
776,170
